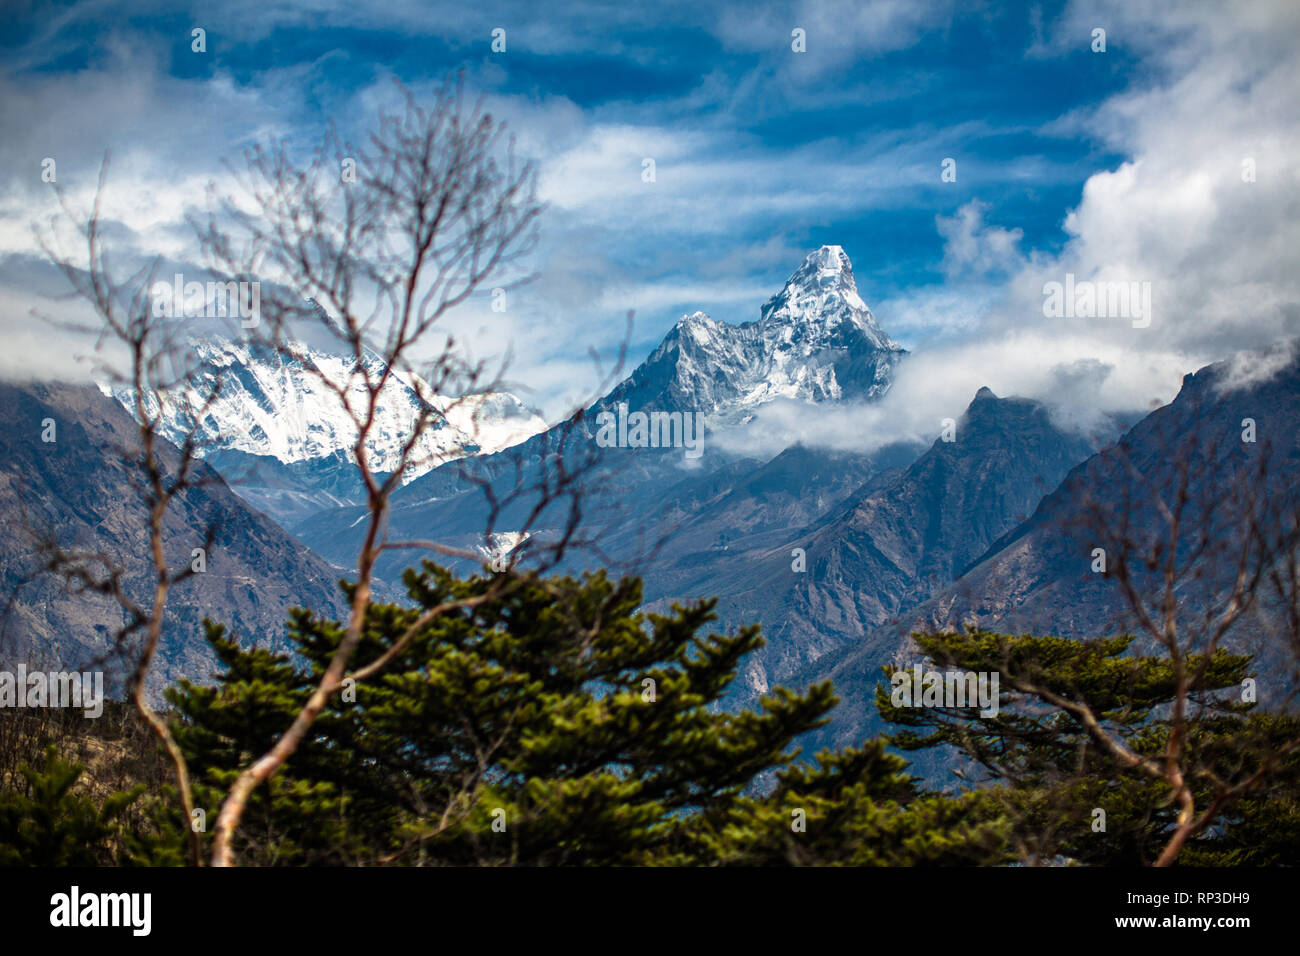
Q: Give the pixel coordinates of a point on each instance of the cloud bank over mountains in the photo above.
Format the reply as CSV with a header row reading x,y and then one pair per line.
x,y
1168,159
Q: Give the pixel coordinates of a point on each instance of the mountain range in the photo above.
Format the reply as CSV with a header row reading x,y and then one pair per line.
x,y
819,546
75,490
1204,448
284,440
839,554
887,546
815,342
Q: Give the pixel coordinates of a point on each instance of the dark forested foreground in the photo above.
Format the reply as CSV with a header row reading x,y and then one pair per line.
x,y
548,722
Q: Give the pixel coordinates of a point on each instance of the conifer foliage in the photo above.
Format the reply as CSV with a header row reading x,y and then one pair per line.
x,y
1074,759
553,724
51,823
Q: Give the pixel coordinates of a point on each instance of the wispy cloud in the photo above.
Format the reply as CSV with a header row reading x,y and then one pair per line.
x,y
1124,165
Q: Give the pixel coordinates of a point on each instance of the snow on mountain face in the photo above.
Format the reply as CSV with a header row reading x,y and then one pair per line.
x,y
820,298
814,341
271,405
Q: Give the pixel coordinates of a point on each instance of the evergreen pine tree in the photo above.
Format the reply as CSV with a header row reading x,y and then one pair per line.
x,y
1065,796
553,723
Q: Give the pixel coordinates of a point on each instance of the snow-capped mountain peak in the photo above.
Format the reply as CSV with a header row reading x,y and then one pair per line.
x,y
821,296
274,405
815,341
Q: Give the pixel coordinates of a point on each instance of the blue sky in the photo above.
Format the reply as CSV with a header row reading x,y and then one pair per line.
x,y
1066,159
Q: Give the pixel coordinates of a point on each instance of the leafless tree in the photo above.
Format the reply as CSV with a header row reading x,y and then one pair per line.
x,y
1199,532
145,352
373,245
387,238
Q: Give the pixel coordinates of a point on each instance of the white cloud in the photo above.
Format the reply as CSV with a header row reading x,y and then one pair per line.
x,y
1216,86
835,31
1081,382
1219,252
971,246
